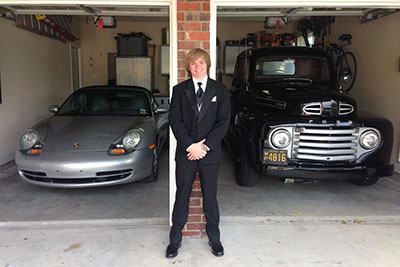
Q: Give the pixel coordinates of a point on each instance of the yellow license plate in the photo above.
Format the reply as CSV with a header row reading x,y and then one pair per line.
x,y
272,156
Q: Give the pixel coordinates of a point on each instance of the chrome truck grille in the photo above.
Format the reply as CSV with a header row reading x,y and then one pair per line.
x,y
325,143
327,108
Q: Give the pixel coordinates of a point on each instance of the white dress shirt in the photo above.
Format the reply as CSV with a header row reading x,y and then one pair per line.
x,y
196,88
203,84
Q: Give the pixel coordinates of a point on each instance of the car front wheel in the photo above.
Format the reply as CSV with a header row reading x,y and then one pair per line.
x,y
154,170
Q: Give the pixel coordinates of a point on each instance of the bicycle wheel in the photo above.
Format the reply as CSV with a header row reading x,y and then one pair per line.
x,y
347,72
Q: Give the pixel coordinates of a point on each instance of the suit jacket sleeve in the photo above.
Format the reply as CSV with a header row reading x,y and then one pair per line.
x,y
217,133
175,119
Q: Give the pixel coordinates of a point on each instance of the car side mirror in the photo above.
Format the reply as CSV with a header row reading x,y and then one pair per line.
x,y
162,109
54,108
155,91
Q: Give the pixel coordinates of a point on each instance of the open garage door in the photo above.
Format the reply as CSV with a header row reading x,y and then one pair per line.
x,y
252,21
43,65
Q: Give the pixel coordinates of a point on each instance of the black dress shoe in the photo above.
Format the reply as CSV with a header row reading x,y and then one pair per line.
x,y
217,249
172,250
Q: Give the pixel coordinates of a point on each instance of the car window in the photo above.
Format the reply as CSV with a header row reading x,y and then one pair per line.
x,y
284,67
315,69
107,102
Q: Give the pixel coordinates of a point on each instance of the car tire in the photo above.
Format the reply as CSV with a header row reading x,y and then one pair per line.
x,y
154,170
244,174
366,181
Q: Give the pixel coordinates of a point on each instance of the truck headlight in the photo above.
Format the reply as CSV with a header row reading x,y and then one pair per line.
x,y
280,138
28,140
369,139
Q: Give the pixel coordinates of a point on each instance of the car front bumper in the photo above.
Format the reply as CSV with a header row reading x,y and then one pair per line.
x,y
322,173
83,169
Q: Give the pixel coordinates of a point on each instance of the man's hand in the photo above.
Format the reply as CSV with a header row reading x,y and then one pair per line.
x,y
197,151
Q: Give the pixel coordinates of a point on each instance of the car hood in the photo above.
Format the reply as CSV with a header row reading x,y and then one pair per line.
x,y
87,133
291,98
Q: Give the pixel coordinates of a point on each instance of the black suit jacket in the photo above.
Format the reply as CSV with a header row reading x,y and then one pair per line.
x,y
191,126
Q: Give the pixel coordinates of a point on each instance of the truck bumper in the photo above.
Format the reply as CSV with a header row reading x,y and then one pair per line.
x,y
310,172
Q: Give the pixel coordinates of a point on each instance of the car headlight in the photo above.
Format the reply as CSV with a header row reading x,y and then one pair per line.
x,y
369,139
131,140
280,138
28,140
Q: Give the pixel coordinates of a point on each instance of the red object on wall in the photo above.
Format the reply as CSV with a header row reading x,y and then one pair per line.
x,y
100,24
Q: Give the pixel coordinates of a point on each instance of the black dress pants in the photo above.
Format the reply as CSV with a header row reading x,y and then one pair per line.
x,y
185,175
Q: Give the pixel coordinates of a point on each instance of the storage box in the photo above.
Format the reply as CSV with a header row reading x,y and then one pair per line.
x,y
129,45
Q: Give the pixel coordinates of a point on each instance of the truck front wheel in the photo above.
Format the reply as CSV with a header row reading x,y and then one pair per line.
x,y
244,174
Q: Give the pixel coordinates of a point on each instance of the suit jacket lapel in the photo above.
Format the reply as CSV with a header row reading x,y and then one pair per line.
x,y
192,97
210,92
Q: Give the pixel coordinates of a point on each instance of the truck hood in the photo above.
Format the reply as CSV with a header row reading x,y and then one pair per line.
x,y
300,99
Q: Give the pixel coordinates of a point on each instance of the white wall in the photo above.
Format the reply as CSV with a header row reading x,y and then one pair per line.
x,y
376,46
35,73
97,43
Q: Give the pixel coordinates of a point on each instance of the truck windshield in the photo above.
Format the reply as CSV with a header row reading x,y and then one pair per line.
x,y
301,69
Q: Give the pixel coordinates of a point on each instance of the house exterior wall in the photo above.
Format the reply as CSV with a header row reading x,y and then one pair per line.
x,y
193,25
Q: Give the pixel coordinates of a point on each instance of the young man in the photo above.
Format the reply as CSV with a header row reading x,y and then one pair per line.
x,y
199,116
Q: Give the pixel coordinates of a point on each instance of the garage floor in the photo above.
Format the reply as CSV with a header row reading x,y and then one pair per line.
x,y
23,202
272,197
269,197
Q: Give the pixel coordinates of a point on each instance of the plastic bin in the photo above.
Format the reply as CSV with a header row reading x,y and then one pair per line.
x,y
132,44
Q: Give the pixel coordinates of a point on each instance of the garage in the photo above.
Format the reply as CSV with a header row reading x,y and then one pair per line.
x,y
313,199
245,18
50,51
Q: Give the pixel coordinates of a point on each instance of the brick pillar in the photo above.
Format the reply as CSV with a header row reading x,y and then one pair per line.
x,y
193,32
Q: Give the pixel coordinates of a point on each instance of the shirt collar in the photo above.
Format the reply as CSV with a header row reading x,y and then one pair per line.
x,y
203,83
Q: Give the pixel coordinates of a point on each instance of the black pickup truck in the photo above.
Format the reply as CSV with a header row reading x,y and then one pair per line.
x,y
289,120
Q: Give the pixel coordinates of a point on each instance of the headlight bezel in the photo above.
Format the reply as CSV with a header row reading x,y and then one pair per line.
x,y
275,134
364,135
122,147
34,146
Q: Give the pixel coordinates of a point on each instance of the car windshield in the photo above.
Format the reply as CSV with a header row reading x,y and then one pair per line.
x,y
106,102
292,69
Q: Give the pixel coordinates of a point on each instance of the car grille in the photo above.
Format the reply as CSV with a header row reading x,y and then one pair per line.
x,y
100,177
328,108
325,143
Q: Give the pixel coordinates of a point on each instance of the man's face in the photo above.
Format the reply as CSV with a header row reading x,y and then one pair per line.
x,y
198,69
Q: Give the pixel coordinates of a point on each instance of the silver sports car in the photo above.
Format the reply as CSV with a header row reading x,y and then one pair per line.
x,y
100,136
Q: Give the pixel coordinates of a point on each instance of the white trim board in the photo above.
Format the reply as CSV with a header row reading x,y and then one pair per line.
x,y
308,3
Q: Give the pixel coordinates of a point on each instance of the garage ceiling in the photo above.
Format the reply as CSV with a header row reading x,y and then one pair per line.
x,y
163,11
366,14
87,10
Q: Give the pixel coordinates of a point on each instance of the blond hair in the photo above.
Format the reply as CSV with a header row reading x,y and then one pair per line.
x,y
195,54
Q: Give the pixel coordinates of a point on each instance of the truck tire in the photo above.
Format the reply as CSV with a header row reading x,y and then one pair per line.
x,y
366,181
244,174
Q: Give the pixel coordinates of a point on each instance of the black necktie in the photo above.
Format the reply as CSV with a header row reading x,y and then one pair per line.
x,y
199,95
